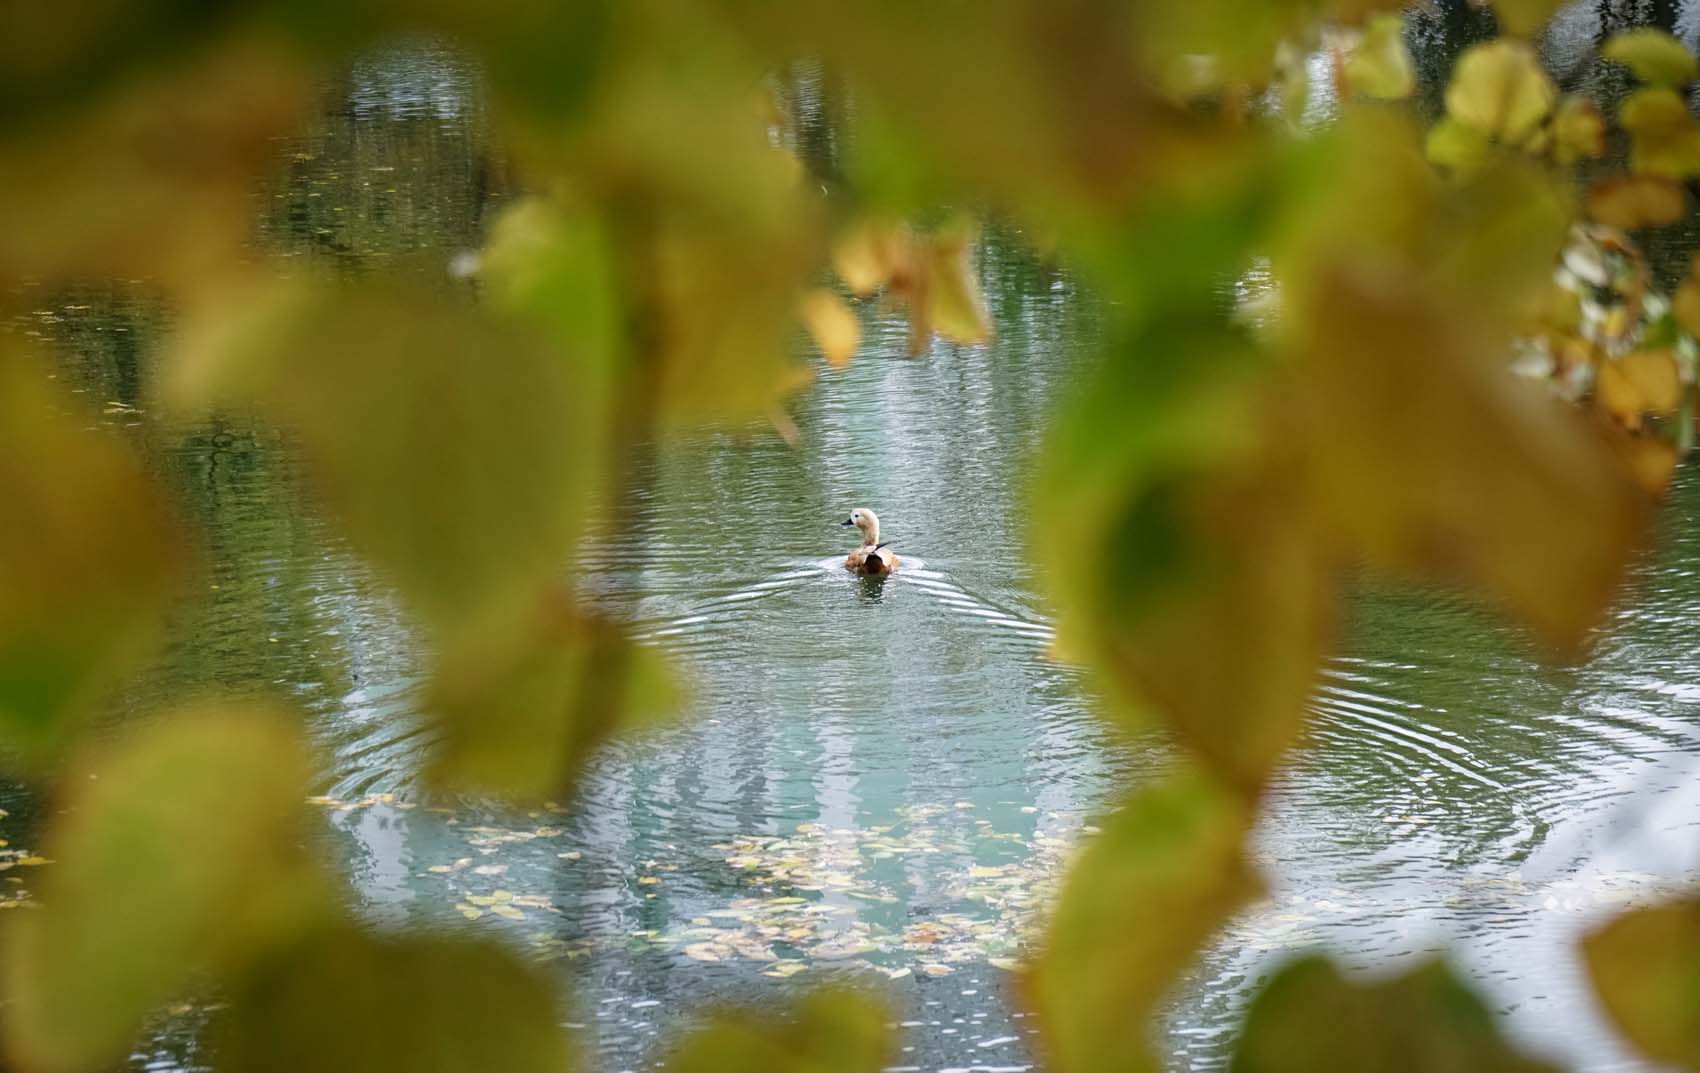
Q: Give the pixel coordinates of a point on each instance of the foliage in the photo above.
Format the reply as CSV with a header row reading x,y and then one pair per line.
x,y
1206,491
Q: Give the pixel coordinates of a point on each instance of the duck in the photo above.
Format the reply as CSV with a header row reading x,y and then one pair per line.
x,y
872,558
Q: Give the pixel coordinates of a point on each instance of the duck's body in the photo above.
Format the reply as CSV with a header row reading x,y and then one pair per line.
x,y
871,558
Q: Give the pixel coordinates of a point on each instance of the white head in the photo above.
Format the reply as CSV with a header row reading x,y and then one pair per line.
x,y
864,519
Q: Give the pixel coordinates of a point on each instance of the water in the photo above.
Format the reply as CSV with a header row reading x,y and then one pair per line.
x,y
881,781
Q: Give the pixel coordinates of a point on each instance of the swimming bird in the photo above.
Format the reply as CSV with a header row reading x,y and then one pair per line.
x,y
872,558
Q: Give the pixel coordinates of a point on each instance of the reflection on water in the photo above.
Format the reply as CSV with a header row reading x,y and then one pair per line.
x,y
881,780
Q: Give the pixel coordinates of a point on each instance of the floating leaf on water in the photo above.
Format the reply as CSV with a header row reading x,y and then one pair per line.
x,y
509,911
702,952
470,912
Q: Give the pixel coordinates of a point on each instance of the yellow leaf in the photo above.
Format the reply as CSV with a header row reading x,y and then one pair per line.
x,y
1424,1019
414,451
1380,66
185,856
830,1031
1643,967
868,253
1654,55
1643,382
1665,138
1524,17
520,705
1478,504
835,328
396,1004
953,303
1578,130
85,580
1685,304
1150,889
1633,202
1500,89
1457,146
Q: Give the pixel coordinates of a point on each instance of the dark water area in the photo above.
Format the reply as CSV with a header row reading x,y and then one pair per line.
x,y
882,782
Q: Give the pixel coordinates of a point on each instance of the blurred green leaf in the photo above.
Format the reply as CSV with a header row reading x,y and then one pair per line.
x,y
1654,55
343,1000
1166,871
520,709
1645,966
1174,541
88,561
1480,503
1311,1019
452,447
166,166
180,852
828,1032
1578,130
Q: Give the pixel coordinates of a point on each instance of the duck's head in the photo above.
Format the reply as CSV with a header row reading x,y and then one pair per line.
x,y
864,519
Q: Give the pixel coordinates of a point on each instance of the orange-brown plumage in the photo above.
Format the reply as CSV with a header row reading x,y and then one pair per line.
x,y
871,558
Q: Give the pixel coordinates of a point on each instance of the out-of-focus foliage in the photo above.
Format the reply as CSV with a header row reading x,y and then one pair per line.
x,y
406,1003
87,564
1309,1018
1646,970
1164,873
180,853
829,1032
1202,498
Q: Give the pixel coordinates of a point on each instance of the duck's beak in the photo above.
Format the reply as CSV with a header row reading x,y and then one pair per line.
x,y
847,521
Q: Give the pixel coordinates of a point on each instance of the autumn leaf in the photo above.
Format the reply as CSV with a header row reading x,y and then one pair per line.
x,y
1645,967
1633,202
180,851
1654,55
1380,66
833,326
1499,89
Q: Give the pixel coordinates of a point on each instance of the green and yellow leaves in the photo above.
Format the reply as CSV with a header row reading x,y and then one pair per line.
x,y
1633,202
1499,90
1578,131
88,560
1309,1018
1477,506
834,327
1380,66
520,709
1639,383
828,1032
453,448
407,1004
180,853
1665,138
1524,17
1164,873
1645,967
1654,55
931,274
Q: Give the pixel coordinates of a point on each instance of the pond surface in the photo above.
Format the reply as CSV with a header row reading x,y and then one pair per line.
x,y
881,781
